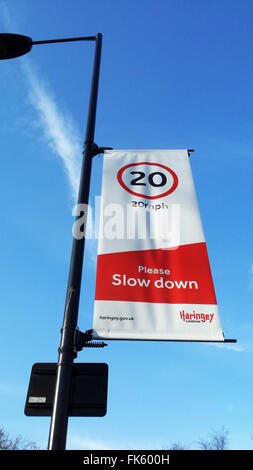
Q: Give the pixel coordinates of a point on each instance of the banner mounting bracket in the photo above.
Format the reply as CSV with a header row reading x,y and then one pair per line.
x,y
96,149
84,340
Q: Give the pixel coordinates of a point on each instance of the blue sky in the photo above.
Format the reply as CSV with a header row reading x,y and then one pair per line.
x,y
174,74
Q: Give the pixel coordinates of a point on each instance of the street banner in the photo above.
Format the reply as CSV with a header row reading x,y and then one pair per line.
x,y
153,277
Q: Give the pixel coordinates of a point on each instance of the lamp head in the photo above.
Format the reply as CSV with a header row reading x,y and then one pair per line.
x,y
14,45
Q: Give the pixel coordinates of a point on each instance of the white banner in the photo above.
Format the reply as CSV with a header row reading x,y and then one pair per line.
x,y
153,274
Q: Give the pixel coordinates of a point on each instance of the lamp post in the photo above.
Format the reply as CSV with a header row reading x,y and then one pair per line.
x,y
15,45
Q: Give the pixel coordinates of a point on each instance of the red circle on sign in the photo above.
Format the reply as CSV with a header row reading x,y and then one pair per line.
x,y
169,191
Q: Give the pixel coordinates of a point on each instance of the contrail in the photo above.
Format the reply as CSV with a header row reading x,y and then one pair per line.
x,y
59,130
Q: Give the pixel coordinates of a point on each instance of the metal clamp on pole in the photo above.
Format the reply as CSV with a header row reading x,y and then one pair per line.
x,y
96,150
84,340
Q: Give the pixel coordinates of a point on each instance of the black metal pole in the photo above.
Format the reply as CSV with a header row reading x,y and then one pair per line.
x,y
59,419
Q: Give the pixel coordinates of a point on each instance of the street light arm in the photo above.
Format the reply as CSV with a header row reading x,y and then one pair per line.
x,y
15,45
51,41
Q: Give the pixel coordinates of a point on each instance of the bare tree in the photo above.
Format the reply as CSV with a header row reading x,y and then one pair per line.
x,y
7,443
218,440
177,446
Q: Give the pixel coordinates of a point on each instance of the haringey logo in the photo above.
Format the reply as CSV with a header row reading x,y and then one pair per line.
x,y
196,317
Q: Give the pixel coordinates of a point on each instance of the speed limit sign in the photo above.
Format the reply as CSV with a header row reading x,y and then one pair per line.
x,y
153,275
148,179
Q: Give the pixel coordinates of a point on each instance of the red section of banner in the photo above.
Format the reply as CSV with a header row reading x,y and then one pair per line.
x,y
180,275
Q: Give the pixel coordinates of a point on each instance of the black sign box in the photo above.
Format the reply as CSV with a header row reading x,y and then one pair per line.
x,y
88,390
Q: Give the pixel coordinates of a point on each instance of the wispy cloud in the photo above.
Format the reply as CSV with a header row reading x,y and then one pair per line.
x,y
59,130
61,135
